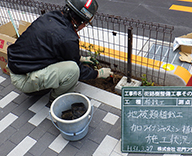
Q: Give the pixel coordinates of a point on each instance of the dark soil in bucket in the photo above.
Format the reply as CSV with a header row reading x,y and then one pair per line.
x,y
77,110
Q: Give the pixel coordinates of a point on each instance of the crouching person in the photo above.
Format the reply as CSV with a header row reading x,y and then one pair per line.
x,y
46,56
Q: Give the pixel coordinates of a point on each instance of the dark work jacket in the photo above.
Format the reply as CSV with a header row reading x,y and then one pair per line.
x,y
49,39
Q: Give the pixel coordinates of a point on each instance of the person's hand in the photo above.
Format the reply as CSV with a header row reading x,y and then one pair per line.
x,y
87,60
104,73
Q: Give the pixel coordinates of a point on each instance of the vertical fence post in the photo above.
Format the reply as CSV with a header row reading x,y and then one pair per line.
x,y
129,54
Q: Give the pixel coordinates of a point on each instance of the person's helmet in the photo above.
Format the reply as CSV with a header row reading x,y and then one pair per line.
x,y
85,9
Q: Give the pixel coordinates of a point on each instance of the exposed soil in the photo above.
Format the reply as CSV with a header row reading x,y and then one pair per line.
x,y
107,84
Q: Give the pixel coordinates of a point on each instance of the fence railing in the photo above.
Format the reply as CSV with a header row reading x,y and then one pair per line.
x,y
109,35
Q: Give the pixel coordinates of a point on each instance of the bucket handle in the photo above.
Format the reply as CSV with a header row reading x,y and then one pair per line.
x,y
73,134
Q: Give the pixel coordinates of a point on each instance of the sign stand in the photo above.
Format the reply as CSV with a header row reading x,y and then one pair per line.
x,y
157,120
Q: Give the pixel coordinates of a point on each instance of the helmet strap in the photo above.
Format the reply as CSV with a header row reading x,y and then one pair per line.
x,y
70,13
75,25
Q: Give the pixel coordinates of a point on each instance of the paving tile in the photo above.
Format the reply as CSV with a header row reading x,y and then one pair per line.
x,y
6,82
58,144
53,130
100,132
40,116
138,154
37,106
8,98
18,91
79,87
7,90
70,150
87,149
95,103
23,119
159,154
37,133
97,117
45,124
6,147
115,154
23,146
117,149
7,120
116,130
49,152
1,72
22,133
115,111
28,154
6,110
171,154
79,144
43,127
2,79
1,88
105,107
106,146
90,131
42,144
6,134
50,118
25,105
94,109
111,118
21,98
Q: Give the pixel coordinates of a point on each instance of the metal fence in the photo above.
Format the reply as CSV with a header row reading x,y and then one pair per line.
x,y
109,37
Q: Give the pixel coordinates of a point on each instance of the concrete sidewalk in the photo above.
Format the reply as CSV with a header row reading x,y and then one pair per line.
x,y
26,128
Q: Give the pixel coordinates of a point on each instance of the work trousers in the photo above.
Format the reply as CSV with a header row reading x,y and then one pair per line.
x,y
61,77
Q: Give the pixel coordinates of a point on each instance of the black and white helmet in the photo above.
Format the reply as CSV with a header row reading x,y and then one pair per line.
x,y
85,9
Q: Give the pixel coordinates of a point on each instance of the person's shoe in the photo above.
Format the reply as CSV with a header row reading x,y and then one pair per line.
x,y
51,99
39,93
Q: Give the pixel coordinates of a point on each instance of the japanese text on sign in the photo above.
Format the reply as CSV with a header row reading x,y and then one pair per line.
x,y
157,119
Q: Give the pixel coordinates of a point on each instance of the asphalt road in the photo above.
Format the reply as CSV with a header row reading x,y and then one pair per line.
x,y
156,11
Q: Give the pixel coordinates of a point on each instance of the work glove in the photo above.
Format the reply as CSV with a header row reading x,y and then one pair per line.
x,y
104,73
87,60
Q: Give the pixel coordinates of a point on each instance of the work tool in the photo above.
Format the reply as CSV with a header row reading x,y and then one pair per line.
x,y
13,24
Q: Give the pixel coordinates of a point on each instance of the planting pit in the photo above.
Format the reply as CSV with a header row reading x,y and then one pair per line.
x,y
107,84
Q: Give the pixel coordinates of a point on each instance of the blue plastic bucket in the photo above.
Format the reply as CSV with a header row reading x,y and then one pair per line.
x,y
76,129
